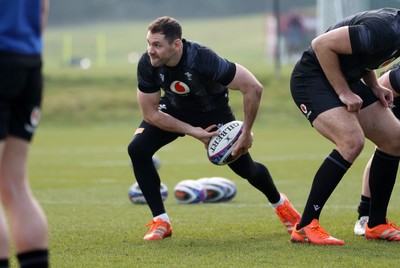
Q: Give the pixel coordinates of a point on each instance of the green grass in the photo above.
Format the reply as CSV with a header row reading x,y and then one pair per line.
x,y
80,170
81,176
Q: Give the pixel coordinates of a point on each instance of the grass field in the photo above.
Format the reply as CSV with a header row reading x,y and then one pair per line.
x,y
80,171
81,176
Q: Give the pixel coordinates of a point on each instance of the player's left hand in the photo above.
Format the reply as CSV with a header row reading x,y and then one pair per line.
x,y
207,134
384,94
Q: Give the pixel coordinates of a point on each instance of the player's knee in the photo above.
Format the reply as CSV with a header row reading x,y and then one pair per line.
x,y
392,145
352,147
254,172
137,152
12,194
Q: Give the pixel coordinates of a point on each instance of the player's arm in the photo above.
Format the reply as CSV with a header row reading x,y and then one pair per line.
x,y
384,94
384,80
327,47
252,90
148,103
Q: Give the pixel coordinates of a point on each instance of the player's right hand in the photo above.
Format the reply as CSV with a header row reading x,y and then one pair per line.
x,y
352,101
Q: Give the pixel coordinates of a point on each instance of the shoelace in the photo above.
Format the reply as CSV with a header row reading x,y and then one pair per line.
x,y
284,213
394,226
320,231
152,224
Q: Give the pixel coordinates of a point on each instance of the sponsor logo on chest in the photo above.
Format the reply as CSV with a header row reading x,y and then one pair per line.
x,y
179,87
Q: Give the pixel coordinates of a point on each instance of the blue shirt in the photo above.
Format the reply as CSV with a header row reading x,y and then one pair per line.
x,y
20,26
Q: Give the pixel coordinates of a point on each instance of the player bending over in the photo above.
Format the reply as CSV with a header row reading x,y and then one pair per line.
x,y
195,82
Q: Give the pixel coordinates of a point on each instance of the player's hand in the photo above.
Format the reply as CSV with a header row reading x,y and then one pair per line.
x,y
352,101
384,94
204,135
244,143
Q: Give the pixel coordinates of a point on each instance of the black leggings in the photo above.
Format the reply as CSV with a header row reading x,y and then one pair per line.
x,y
145,144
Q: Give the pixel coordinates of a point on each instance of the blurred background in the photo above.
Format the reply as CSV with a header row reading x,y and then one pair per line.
x,y
299,21
92,47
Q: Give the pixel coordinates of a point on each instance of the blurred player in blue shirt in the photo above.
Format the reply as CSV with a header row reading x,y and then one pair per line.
x,y
21,26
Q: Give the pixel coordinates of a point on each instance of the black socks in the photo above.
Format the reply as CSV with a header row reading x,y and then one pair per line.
x,y
34,259
325,181
363,207
381,181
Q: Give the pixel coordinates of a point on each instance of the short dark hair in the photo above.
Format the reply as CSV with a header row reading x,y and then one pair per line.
x,y
167,26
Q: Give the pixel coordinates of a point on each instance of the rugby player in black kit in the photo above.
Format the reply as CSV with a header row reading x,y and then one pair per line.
x,y
335,86
195,82
391,80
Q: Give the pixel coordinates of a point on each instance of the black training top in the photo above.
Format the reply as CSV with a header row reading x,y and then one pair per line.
x,y
375,42
394,77
197,83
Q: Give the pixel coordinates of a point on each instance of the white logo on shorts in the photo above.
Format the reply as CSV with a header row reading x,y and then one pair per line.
x,y
35,116
34,120
304,109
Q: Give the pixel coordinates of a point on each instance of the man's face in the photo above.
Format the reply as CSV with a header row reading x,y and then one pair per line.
x,y
160,51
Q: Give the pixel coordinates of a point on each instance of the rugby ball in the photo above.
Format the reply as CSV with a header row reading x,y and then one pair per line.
x,y
215,190
189,192
136,195
231,189
156,161
220,147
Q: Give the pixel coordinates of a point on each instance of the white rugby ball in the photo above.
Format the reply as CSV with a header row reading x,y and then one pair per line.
x,y
231,189
136,195
189,192
215,190
220,147
156,161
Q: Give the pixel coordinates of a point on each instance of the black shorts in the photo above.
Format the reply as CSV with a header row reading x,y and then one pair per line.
x,y
313,94
199,119
151,138
21,88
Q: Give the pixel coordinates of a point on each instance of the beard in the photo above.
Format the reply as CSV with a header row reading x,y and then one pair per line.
x,y
156,62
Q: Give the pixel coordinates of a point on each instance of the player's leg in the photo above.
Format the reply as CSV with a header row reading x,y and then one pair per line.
x,y
4,241
6,95
4,237
28,224
363,206
257,175
389,79
381,127
319,103
342,128
145,143
20,116
363,211
260,178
